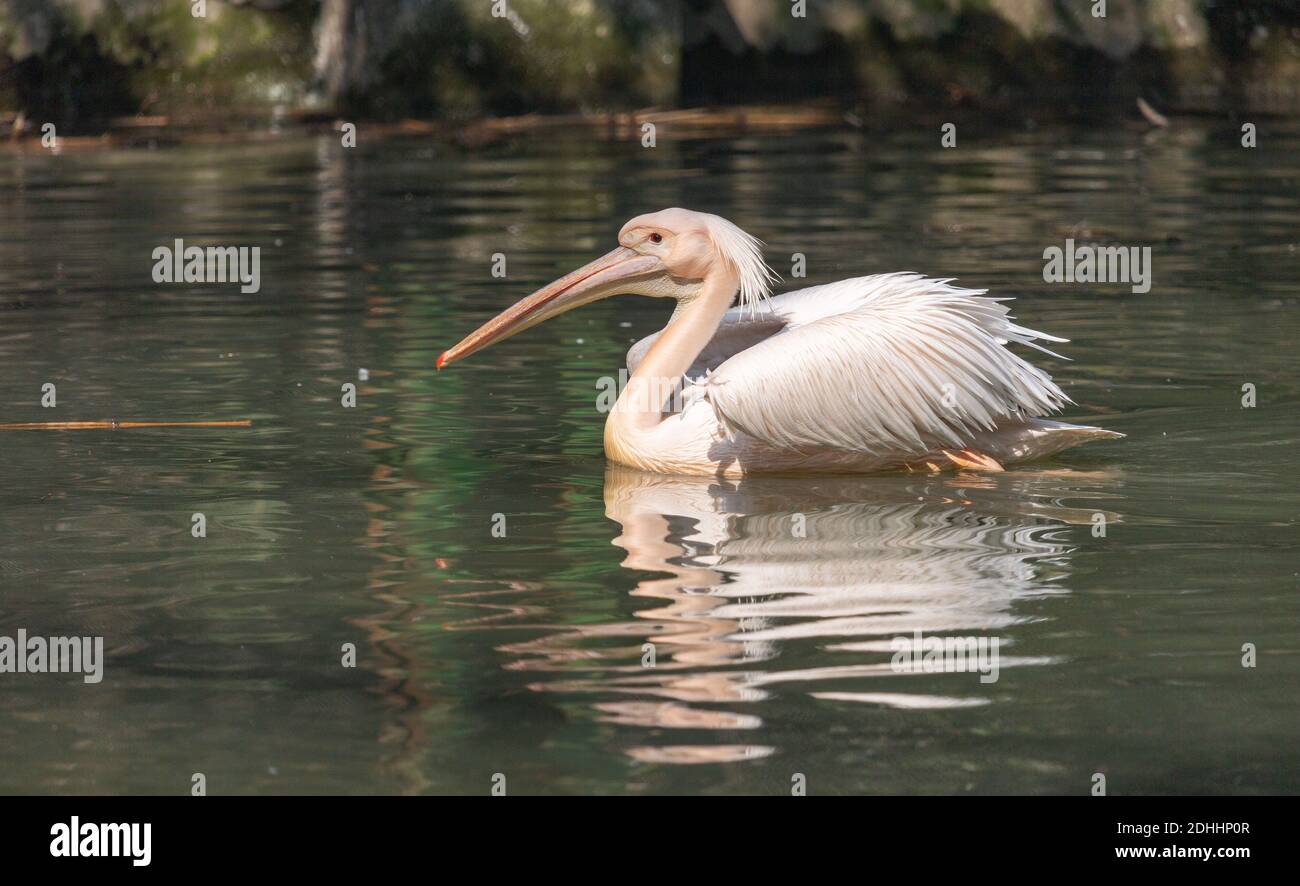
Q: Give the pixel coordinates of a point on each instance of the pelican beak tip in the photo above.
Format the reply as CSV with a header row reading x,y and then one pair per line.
x,y
441,359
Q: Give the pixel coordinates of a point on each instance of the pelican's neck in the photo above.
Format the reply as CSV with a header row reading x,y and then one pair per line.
x,y
690,328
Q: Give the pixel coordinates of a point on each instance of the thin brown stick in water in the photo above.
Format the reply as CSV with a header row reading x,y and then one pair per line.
x,y
114,425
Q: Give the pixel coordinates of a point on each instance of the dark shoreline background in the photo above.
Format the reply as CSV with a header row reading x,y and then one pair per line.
x,y
96,66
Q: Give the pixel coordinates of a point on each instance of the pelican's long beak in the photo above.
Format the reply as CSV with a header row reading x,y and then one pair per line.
x,y
604,277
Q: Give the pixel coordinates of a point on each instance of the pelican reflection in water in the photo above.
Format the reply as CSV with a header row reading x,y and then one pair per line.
x,y
731,591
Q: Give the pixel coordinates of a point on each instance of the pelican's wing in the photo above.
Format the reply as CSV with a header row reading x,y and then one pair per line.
x,y
874,364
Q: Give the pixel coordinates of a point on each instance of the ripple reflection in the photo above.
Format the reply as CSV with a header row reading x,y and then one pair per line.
x,y
755,581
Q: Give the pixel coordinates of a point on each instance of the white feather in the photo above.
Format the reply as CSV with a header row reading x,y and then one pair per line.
x,y
743,252
892,362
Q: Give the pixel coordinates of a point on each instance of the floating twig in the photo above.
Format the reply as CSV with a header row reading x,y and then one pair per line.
x,y
111,424
1154,117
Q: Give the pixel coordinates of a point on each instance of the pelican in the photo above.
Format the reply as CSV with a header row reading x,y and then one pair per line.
x,y
886,372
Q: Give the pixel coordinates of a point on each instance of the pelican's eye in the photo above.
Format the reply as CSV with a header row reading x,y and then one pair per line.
x,y
656,238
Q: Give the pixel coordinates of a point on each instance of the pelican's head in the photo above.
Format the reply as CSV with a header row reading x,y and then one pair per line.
x,y
663,254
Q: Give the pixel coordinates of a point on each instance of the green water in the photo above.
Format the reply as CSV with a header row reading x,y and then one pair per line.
x,y
523,655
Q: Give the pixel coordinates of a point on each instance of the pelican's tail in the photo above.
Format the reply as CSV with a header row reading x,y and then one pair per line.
x,y
1038,438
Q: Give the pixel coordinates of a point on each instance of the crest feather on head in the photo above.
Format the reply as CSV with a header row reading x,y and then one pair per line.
x,y
744,253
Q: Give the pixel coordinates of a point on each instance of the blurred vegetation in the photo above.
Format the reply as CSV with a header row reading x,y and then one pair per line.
x,y
81,63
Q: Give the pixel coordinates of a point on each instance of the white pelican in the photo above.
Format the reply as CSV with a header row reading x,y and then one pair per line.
x,y
887,372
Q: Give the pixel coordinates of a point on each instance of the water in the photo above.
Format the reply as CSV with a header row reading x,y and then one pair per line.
x,y
523,655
